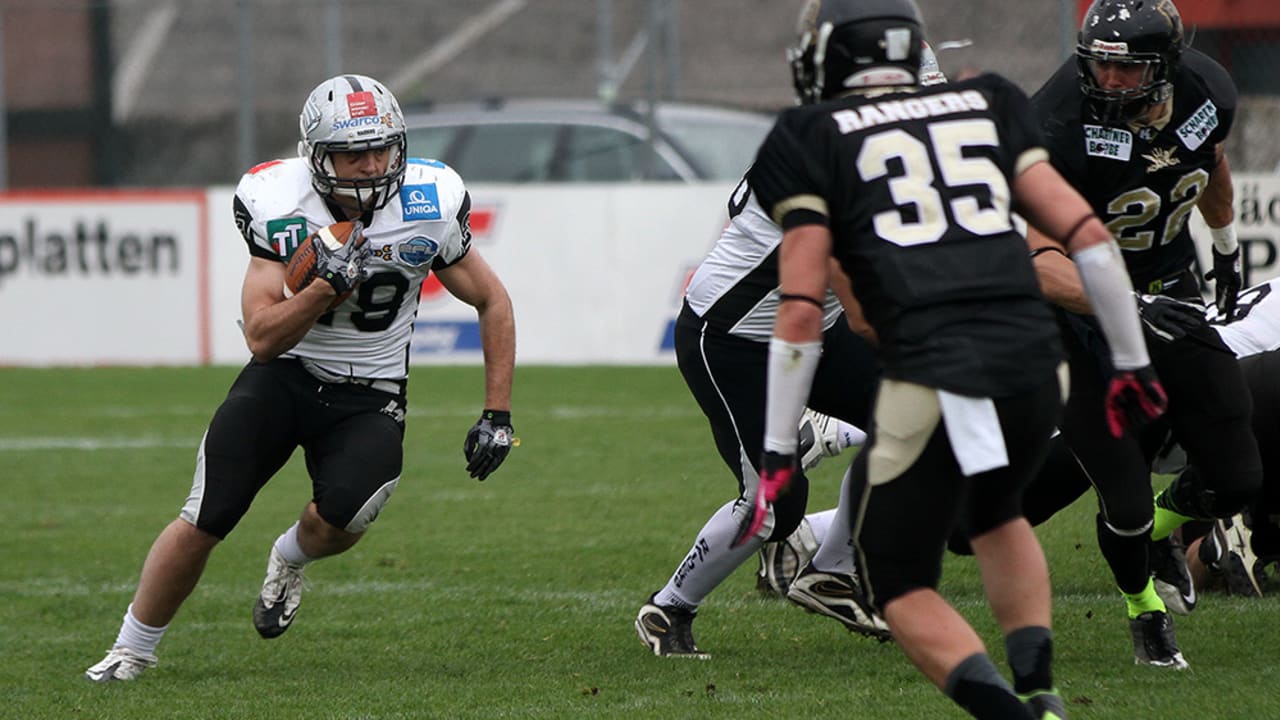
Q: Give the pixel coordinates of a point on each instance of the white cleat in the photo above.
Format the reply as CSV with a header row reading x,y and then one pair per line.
x,y
121,663
281,595
819,438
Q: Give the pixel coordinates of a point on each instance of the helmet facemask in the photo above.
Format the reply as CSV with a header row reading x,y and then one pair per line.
x,y
353,113
1128,104
1142,40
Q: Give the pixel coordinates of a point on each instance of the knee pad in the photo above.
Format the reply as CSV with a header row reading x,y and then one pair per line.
x,y
342,511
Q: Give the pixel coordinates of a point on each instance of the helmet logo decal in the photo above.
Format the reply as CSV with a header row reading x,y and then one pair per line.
x,y
420,202
418,251
361,104
1118,48
897,43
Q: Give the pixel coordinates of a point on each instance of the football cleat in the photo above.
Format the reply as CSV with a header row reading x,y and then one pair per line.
x,y
819,438
1171,577
277,604
780,562
667,631
1153,641
1241,568
838,596
1045,705
121,663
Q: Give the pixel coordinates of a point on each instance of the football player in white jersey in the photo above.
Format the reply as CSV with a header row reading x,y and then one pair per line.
x,y
722,341
329,378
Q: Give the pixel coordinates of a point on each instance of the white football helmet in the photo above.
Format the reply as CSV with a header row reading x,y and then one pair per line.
x,y
352,113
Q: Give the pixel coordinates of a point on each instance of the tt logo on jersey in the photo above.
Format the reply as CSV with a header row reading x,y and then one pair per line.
x,y
1160,158
1108,142
286,234
420,202
418,251
1197,127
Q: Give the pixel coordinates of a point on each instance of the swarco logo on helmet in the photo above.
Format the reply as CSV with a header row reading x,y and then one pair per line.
x,y
353,113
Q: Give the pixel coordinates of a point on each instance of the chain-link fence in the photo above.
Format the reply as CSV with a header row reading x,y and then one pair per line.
x,y
191,92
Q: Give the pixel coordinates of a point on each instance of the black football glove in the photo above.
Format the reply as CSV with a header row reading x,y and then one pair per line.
x,y
1134,398
1227,282
488,442
1167,318
343,268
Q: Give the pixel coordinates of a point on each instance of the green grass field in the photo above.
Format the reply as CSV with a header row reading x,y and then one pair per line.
x,y
512,598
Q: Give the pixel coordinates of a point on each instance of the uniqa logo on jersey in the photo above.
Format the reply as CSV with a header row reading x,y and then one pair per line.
x,y
420,202
418,251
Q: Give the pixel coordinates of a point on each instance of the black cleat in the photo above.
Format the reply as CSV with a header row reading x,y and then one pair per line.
x,y
668,631
1153,641
1172,578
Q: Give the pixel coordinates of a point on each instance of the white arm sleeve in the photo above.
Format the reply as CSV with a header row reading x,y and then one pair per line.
x,y
1110,292
791,370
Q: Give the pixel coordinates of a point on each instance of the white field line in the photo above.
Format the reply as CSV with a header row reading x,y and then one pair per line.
x,y
37,443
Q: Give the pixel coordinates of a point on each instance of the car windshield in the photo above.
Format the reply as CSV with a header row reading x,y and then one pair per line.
x,y
722,146
585,143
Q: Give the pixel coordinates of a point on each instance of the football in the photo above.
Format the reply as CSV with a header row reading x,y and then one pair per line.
x,y
301,269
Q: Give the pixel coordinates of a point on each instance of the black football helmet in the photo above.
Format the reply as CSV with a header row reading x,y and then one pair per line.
x,y
1145,35
847,44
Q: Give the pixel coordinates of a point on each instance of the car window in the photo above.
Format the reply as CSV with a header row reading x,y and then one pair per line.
x,y
722,150
597,154
507,152
432,142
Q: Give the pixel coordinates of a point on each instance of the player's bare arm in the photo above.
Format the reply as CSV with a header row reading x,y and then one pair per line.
x,y
272,323
1053,209
853,316
802,271
1216,202
473,281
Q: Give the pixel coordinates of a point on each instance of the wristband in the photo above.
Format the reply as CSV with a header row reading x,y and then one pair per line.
x,y
497,417
1224,239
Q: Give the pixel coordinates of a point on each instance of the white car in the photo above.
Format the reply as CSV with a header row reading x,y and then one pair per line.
x,y
565,141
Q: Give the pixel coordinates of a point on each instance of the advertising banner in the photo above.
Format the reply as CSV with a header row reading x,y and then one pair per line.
x,y
595,272
94,278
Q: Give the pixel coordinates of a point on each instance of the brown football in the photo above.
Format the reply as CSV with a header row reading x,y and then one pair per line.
x,y
301,269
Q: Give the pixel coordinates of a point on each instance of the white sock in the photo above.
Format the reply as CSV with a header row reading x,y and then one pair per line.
x,y
835,553
708,562
136,636
288,547
849,435
820,522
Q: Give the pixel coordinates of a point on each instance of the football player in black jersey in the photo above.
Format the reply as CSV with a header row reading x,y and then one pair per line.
x,y
722,342
1136,122
910,189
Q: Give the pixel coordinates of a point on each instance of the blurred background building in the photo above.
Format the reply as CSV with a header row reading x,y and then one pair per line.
x,y
159,93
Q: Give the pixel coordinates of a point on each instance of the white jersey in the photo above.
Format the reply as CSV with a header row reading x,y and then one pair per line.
x,y
1256,327
424,227
735,289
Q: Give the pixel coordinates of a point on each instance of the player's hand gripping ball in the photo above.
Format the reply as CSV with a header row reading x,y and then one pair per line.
x,y
336,254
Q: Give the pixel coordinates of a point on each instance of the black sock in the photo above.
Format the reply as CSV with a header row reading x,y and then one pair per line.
x,y
978,687
1030,653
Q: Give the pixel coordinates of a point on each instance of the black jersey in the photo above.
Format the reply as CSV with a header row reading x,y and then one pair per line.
x,y
915,187
1143,181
